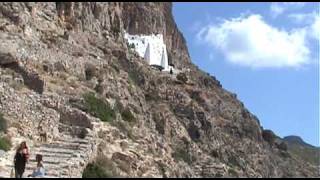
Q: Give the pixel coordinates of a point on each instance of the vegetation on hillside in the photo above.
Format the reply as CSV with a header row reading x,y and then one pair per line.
x,y
307,153
5,143
102,168
99,107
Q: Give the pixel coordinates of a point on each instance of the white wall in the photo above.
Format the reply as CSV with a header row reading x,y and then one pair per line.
x,y
151,47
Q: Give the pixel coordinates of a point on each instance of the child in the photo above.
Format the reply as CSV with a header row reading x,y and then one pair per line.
x,y
39,171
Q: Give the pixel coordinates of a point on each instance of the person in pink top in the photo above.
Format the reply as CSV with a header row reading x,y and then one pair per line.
x,y
20,159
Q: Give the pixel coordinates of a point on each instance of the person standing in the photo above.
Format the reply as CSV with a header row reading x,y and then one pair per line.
x,y
20,159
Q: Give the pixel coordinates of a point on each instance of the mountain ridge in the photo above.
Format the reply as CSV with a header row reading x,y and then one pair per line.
x,y
298,140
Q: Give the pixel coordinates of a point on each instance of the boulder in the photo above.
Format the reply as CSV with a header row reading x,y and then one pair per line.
x,y
7,52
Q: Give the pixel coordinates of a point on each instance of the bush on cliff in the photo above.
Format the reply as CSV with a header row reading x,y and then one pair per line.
x,y
98,107
102,168
5,143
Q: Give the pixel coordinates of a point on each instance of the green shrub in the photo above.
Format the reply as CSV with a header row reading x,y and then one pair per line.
x,y
90,71
232,172
133,77
196,95
115,29
182,77
125,128
5,143
99,108
102,168
136,77
152,96
127,115
99,88
3,123
233,160
182,154
95,171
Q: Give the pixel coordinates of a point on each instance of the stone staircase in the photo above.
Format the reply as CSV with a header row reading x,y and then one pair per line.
x,y
209,170
65,157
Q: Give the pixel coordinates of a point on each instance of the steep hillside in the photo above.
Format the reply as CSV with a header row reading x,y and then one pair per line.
x,y
68,75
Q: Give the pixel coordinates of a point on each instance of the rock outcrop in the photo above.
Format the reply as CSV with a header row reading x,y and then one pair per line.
x,y
154,123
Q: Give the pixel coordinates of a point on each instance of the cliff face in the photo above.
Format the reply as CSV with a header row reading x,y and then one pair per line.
x,y
136,121
135,18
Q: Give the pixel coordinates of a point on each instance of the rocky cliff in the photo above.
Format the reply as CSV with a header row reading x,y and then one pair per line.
x,y
71,88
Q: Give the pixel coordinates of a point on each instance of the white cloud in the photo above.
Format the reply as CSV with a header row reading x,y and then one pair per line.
x,y
251,42
302,18
311,22
315,28
278,8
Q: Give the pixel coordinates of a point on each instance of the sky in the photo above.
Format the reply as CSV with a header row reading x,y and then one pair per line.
x,y
265,52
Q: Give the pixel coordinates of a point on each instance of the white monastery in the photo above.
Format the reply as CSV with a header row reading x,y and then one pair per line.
x,y
152,48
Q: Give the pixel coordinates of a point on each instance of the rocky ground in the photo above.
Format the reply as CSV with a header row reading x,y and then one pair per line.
x,y
148,123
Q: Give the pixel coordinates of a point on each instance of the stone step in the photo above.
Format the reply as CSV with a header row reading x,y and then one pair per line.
x,y
64,146
52,160
74,143
50,154
70,156
32,165
73,154
56,174
57,150
53,174
58,156
49,169
74,140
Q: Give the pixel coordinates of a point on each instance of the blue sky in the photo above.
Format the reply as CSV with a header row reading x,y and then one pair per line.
x,y
266,53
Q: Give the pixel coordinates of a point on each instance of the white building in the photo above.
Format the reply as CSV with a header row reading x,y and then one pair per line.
x,y
152,48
